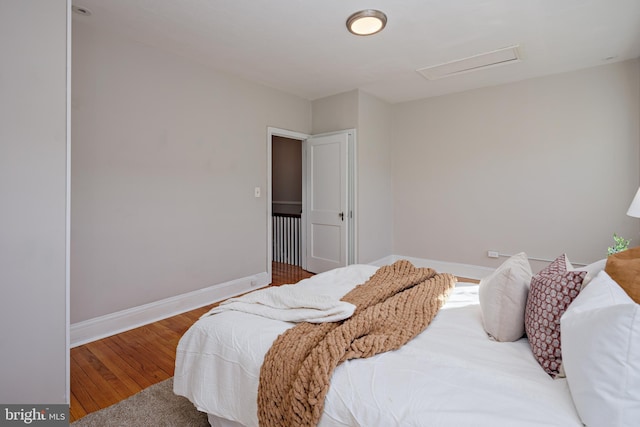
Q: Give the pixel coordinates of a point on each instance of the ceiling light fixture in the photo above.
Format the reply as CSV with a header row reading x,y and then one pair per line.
x,y
366,22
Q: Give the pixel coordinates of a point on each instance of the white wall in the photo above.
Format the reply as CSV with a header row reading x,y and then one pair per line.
x,y
545,166
33,180
166,155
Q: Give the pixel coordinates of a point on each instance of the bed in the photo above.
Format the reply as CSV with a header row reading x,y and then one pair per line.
x,y
451,374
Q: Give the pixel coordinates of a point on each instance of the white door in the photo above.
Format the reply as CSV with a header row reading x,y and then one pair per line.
x,y
327,201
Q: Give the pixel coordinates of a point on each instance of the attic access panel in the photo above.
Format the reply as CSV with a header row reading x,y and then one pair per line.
x,y
503,56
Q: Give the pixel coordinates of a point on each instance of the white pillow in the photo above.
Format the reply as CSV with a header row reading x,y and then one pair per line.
x,y
503,298
592,270
601,354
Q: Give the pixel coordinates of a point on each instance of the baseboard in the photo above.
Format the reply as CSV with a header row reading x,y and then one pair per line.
x,y
115,323
463,270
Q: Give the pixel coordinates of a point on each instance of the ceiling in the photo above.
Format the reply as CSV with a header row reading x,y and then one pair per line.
x,y
303,47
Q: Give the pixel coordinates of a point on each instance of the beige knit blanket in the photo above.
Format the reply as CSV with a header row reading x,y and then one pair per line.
x,y
393,306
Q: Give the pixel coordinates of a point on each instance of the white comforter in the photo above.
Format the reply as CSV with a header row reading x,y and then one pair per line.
x,y
449,375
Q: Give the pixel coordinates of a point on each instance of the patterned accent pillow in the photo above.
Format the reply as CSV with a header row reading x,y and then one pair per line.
x,y
551,292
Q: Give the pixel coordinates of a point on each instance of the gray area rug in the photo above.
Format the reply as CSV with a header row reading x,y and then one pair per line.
x,y
153,406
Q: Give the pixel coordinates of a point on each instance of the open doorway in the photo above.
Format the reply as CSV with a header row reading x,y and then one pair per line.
x,y
323,197
286,203
283,195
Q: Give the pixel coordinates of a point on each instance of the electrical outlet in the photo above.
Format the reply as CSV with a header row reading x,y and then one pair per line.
x,y
493,254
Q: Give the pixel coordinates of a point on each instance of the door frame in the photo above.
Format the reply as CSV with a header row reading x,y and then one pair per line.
x,y
352,230
271,132
352,200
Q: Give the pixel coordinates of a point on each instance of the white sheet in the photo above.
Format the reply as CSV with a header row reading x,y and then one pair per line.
x,y
449,375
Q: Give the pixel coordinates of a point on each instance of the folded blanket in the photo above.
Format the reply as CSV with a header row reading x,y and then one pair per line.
x,y
398,302
289,303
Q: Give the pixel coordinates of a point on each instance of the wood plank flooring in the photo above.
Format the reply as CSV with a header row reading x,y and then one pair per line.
x,y
107,371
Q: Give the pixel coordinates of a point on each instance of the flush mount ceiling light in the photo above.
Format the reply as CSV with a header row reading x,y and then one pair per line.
x,y
366,22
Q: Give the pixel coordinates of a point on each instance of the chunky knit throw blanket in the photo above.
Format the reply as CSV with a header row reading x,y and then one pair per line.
x,y
393,306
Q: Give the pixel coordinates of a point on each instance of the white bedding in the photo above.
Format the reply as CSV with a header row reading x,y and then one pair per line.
x,y
291,303
449,375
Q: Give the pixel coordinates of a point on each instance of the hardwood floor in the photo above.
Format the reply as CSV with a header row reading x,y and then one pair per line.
x,y
107,371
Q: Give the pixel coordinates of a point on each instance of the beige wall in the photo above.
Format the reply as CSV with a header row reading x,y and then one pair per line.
x,y
33,181
545,166
375,201
166,155
336,112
